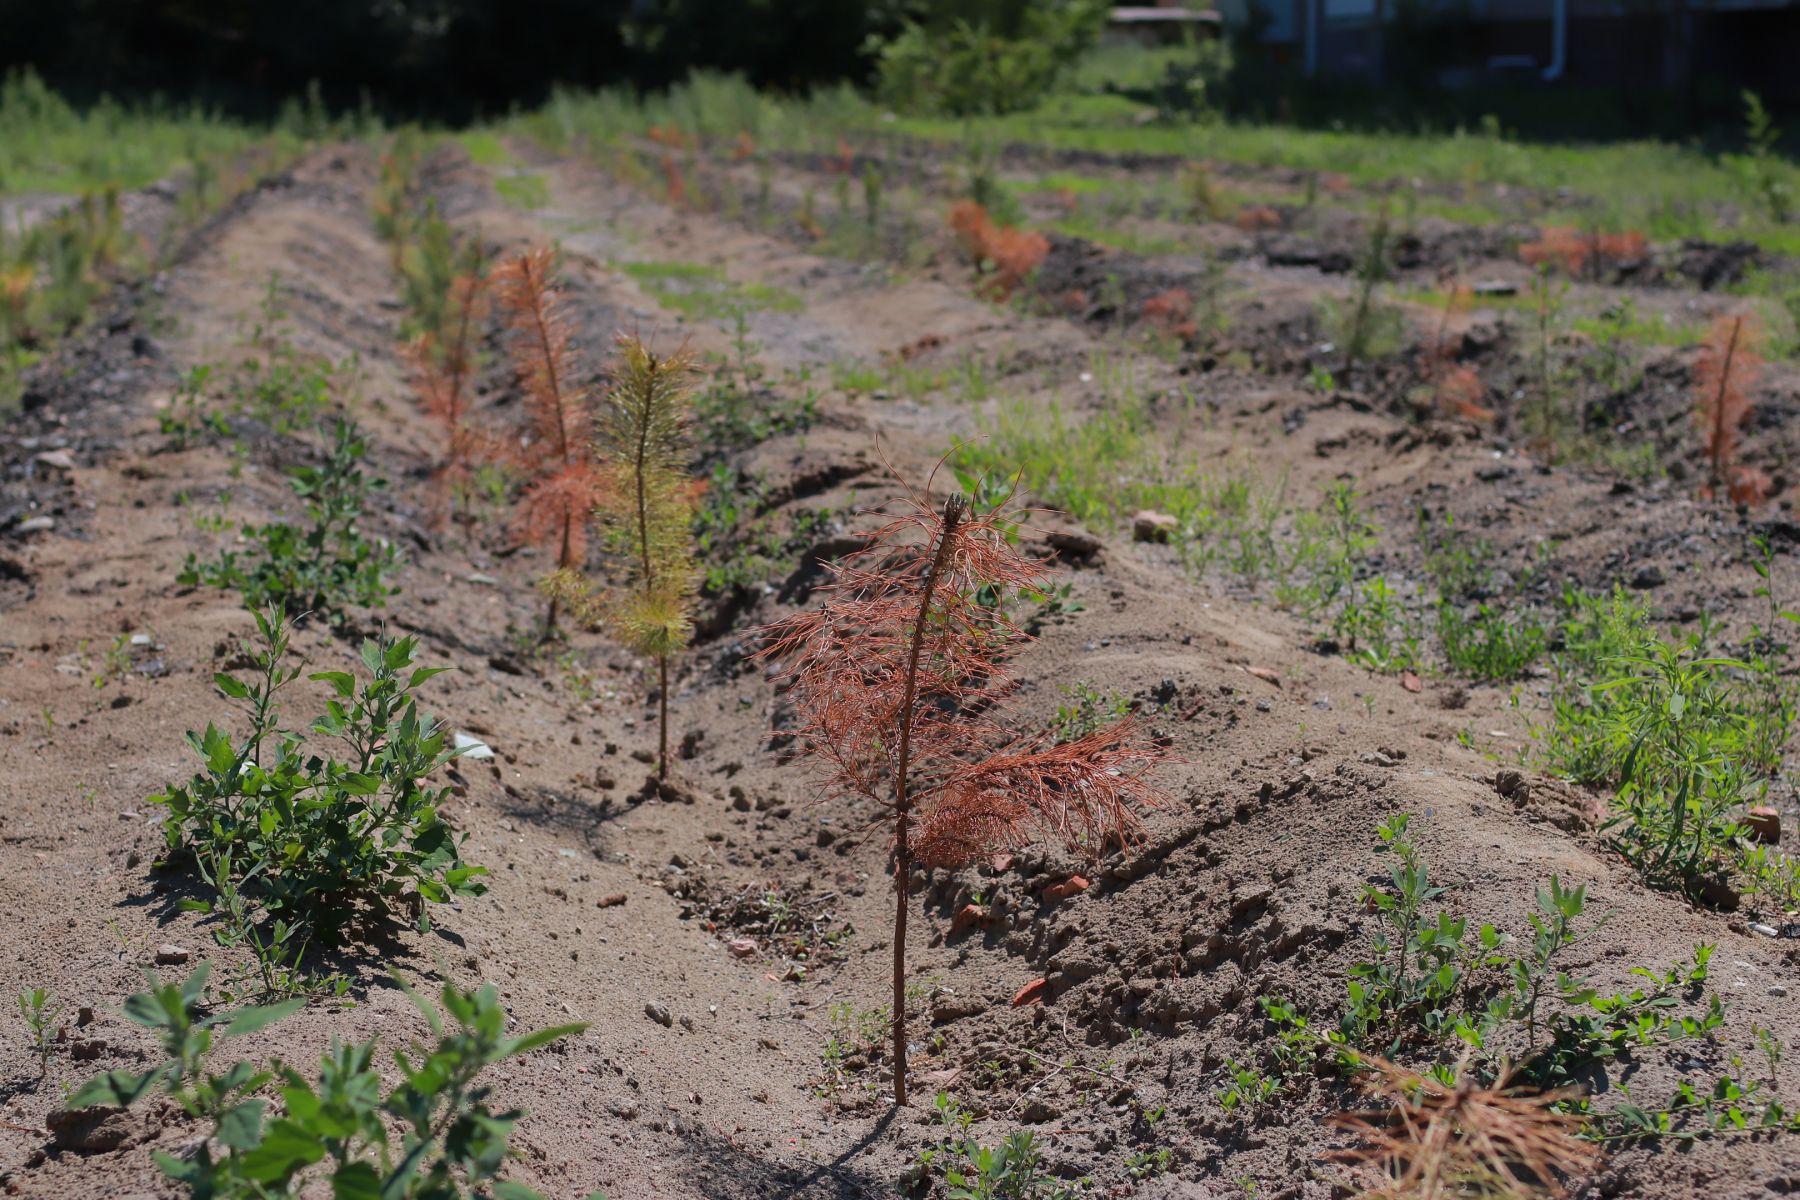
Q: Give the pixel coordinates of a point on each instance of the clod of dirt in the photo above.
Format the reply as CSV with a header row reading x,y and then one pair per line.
x,y
741,947
657,1011
1148,525
1074,546
1764,823
1512,785
612,901
95,1130
170,955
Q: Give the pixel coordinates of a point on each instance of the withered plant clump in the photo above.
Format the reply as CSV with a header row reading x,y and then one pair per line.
x,y
900,686
1430,1140
565,482
1456,390
1255,218
1172,312
1006,255
444,365
1722,381
1575,252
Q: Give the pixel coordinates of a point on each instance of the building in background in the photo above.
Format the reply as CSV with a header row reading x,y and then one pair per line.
x,y
1623,45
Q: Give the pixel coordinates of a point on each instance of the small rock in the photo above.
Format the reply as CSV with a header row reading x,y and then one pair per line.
x,y
1494,287
1073,885
35,525
657,1011
95,1130
612,901
1512,785
1765,930
1778,990
170,955
741,947
967,917
1148,525
62,460
1648,577
481,580
1764,823
1073,544
625,1110
1377,758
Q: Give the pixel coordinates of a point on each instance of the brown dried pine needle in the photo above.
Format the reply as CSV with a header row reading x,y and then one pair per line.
x,y
1432,1141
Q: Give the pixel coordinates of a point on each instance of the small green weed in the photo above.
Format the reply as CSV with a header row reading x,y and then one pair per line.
x,y
318,837
40,1012
328,567
529,192
1086,710
431,1136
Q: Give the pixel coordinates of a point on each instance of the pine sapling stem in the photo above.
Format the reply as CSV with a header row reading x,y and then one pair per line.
x,y
1719,416
955,509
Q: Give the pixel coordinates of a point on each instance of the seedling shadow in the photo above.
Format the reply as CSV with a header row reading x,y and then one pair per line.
x,y
712,1160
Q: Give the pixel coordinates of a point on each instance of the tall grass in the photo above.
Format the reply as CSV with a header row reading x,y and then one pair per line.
x,y
47,145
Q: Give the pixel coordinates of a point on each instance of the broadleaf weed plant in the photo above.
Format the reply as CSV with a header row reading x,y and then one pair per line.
x,y
1468,1006
433,1135
328,567
899,681
311,838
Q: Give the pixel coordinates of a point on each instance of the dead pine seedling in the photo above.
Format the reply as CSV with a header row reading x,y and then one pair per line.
x,y
900,687
443,365
1428,1140
1006,256
565,482
1456,390
1722,381
647,508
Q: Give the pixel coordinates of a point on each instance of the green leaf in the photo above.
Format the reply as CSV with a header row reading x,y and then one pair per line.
x,y
356,1181
252,1019
342,682
421,674
531,1041
236,689
116,1088
241,1127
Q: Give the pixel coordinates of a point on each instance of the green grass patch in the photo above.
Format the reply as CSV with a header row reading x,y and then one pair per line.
x,y
46,145
703,293
1118,236
525,191
484,148
1647,330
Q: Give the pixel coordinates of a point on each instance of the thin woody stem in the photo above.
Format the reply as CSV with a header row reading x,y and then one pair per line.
x,y
1719,421
955,509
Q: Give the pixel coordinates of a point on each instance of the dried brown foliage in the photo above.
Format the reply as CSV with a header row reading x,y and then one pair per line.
x,y
900,687
565,482
744,147
1431,1141
674,182
1722,381
1254,218
1456,390
1171,312
442,367
1575,252
1007,255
